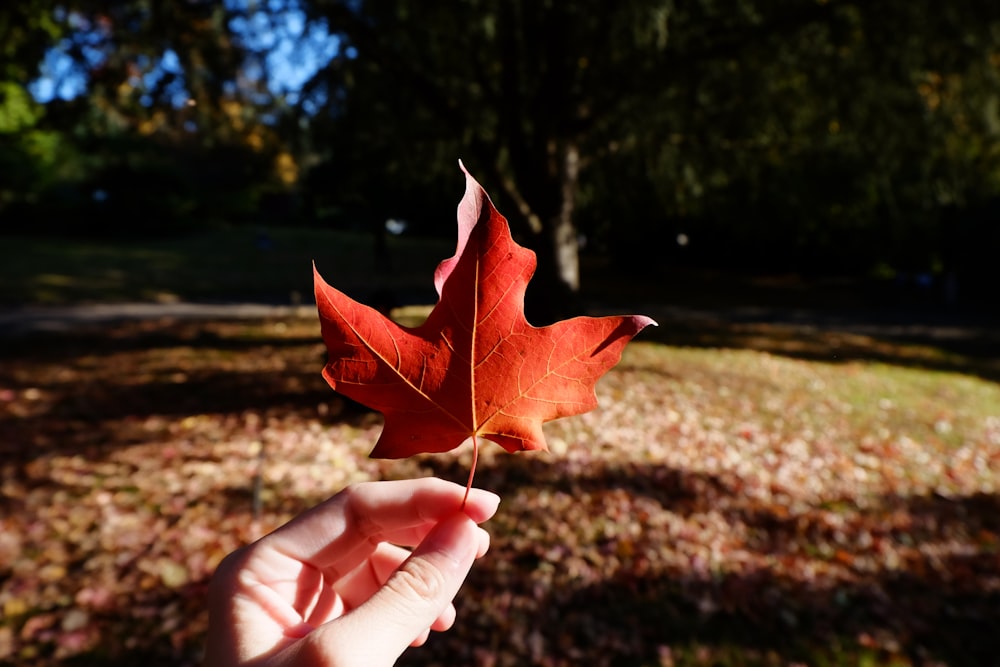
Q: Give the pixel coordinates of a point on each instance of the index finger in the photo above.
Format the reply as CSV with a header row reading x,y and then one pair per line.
x,y
341,532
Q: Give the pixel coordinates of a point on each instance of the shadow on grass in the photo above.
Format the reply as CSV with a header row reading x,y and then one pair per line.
x,y
897,580
147,336
87,419
811,585
759,618
970,349
917,578
85,393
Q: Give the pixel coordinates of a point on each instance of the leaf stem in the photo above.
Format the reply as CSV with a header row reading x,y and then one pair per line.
x,y
472,470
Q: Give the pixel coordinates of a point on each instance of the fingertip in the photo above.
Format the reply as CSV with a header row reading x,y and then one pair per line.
x,y
451,545
481,505
484,543
446,619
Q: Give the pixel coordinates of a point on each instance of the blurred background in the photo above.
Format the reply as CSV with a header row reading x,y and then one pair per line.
x,y
805,194
820,139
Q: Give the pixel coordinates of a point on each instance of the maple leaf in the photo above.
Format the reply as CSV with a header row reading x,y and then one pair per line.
x,y
475,368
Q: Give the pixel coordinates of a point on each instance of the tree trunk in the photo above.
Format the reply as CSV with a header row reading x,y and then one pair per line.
x,y
554,292
563,229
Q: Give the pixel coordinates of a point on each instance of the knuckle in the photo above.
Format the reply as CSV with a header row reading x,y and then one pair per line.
x,y
357,515
417,580
230,567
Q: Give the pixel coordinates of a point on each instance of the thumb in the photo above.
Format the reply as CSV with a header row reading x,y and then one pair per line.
x,y
378,631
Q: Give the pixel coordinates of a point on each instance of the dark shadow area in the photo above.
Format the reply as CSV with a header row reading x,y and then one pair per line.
x,y
86,420
759,616
817,581
173,647
132,335
684,492
88,392
195,392
522,604
968,346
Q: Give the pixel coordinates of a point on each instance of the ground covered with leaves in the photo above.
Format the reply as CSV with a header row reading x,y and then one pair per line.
x,y
723,506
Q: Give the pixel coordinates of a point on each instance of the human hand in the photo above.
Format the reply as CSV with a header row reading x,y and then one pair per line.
x,y
334,585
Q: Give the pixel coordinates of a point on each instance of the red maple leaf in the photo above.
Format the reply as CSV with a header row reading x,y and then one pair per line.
x,y
475,368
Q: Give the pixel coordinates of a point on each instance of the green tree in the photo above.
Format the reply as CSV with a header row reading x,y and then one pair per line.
x,y
527,93
161,127
815,124
826,132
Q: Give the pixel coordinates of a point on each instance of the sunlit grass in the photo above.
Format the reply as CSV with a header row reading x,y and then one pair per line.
x,y
866,409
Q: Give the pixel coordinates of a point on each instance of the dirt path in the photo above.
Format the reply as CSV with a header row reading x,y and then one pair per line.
x,y
927,325
63,319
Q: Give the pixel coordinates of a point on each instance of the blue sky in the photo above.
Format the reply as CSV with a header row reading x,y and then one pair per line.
x,y
286,49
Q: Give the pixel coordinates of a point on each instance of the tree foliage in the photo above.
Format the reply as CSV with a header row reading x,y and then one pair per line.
x,y
830,135
822,136
159,140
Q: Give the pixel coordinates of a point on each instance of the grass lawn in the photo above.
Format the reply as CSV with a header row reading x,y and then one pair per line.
x,y
724,506
273,265
239,263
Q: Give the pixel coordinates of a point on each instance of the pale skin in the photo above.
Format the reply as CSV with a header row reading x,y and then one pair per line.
x,y
335,586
